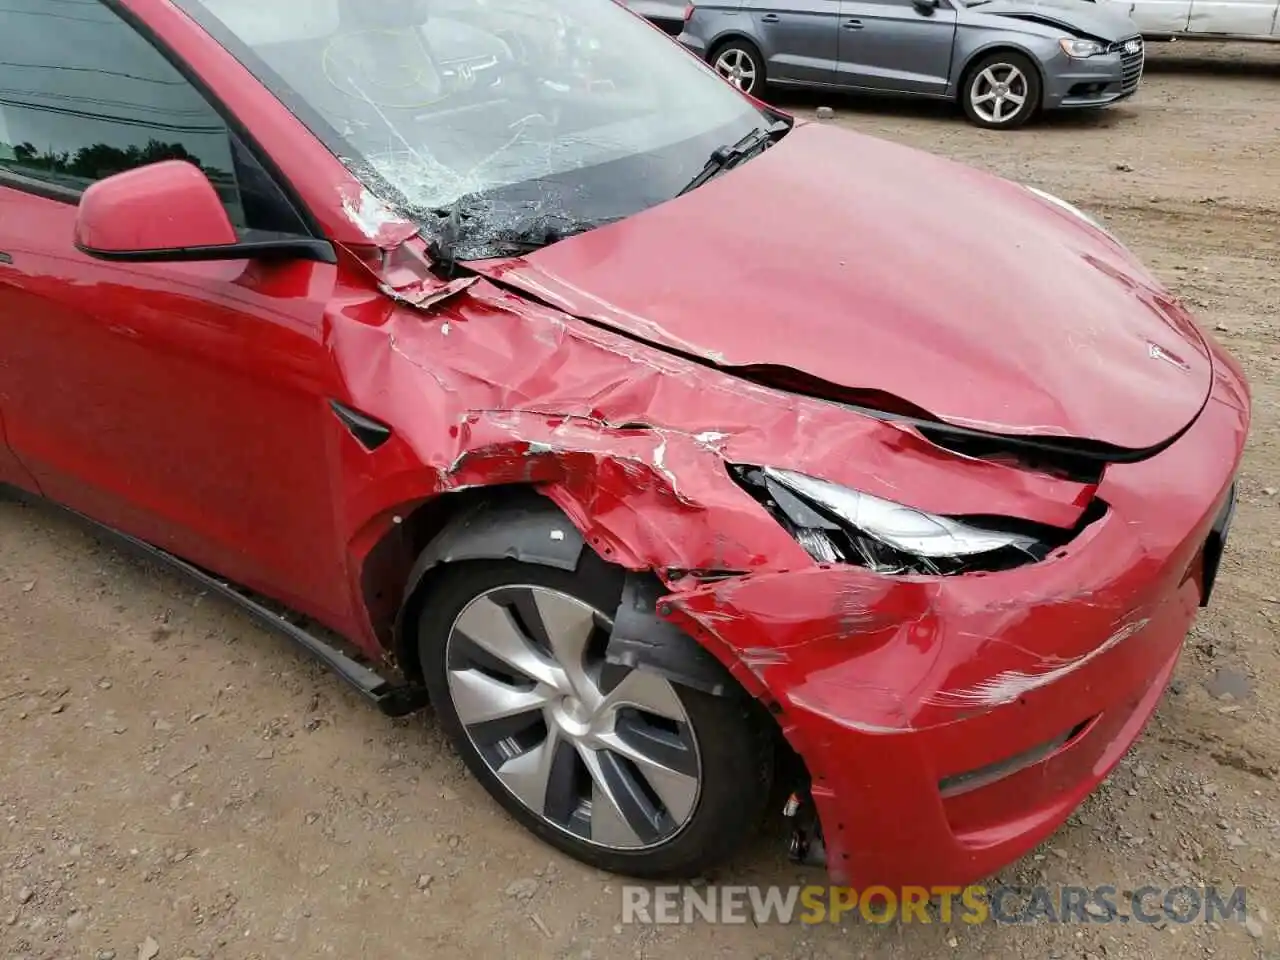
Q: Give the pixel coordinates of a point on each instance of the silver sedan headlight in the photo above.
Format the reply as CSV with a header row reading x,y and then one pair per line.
x,y
1081,49
835,524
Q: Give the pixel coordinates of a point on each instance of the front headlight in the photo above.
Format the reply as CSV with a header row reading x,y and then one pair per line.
x,y
1081,49
835,524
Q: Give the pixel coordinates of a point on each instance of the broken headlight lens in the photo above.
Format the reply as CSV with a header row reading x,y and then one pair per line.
x,y
835,524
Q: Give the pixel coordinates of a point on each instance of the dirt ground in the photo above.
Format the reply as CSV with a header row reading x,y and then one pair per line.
x,y
174,782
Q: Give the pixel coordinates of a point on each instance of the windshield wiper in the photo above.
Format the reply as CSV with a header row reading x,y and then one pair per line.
x,y
730,155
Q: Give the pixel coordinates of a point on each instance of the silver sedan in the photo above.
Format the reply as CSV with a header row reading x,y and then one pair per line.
x,y
1002,60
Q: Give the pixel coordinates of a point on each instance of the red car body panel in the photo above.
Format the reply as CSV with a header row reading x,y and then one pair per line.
x,y
854,260
189,405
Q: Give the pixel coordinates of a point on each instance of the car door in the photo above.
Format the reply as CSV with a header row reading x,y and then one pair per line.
x,y
1244,18
798,38
896,45
183,403
1155,16
12,472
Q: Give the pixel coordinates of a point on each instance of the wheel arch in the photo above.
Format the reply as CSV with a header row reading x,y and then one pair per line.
x,y
518,523
718,42
1002,45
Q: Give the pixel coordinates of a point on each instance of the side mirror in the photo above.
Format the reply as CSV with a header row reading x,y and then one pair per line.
x,y
925,6
169,211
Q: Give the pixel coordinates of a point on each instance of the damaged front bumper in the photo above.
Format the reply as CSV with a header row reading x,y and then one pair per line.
x,y
949,724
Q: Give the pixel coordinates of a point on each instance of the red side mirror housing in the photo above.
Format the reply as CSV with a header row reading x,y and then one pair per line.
x,y
166,210
170,211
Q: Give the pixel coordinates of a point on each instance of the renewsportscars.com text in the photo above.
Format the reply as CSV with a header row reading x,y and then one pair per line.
x,y
971,905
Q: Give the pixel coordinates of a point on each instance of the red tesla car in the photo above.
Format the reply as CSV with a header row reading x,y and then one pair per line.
x,y
680,454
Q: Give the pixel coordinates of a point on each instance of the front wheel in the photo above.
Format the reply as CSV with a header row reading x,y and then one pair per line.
x,y
617,767
741,64
1001,91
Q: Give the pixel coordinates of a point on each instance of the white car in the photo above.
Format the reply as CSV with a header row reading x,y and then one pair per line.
x,y
1202,19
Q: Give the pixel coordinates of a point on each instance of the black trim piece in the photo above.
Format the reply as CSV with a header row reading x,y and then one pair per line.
x,y
984,776
291,248
1215,544
525,526
369,432
5,258
392,698
641,638
215,102
39,188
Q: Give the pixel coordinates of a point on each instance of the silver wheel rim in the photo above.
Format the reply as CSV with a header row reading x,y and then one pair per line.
x,y
603,753
736,66
999,93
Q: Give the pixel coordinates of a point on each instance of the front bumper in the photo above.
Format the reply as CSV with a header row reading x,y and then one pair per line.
x,y
950,724
1093,82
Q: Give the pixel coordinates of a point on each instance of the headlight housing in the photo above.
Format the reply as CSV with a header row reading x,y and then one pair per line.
x,y
1081,49
835,524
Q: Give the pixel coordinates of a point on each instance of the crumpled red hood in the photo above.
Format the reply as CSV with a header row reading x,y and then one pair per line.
x,y
877,267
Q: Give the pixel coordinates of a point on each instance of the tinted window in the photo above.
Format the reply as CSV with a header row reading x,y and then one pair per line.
x,y
84,96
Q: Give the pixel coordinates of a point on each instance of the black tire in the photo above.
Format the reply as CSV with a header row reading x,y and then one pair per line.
x,y
745,52
734,749
1000,63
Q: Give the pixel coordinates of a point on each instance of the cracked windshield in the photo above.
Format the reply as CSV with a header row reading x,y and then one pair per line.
x,y
497,126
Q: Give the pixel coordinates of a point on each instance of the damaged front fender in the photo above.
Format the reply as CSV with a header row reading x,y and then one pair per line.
x,y
480,388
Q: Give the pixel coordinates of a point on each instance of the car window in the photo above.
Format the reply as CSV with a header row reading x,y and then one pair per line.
x,y
83,96
559,112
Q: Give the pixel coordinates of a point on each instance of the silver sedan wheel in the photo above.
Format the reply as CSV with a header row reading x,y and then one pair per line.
x,y
737,66
999,93
613,762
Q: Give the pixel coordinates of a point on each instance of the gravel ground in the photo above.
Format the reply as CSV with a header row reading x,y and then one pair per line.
x,y
177,783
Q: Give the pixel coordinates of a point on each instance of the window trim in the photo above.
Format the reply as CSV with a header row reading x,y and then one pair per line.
x,y
40,188
70,195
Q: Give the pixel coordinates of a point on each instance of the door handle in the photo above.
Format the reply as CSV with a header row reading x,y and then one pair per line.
x,y
853,24
5,258
770,18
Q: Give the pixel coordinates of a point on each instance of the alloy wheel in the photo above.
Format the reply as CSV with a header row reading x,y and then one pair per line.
x,y
999,93
605,754
737,66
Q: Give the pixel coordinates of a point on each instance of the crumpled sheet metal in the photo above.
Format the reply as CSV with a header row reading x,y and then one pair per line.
x,y
900,654
488,387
